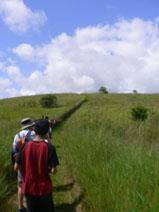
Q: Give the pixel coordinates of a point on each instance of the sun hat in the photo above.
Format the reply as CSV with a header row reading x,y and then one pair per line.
x,y
27,122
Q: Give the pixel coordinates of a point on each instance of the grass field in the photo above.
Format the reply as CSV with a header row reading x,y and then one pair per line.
x,y
113,159
12,111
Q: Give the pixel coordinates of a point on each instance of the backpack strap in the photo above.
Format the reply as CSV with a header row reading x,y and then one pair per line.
x,y
27,136
19,135
15,150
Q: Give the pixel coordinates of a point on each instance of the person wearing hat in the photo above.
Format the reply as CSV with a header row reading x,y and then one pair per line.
x,y
37,159
26,134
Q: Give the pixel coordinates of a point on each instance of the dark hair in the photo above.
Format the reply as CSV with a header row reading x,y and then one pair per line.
x,y
41,127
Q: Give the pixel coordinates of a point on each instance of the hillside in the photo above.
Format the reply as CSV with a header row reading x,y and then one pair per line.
x,y
108,162
113,159
12,111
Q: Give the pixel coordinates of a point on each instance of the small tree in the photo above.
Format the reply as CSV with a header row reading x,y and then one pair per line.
x,y
139,113
103,89
135,91
48,101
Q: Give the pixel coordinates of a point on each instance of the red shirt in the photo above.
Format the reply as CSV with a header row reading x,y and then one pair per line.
x,y
35,158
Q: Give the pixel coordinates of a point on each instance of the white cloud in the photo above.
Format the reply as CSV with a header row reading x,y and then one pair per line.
x,y
15,75
2,66
122,57
25,51
4,84
4,81
12,92
19,17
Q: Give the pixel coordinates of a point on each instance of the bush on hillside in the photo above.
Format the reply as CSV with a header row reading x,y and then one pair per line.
x,y
139,113
48,101
103,89
135,92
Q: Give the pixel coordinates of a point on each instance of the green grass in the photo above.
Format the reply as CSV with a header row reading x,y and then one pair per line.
x,y
114,159
12,111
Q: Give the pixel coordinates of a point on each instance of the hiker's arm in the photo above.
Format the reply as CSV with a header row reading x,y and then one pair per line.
x,y
17,166
15,149
48,139
18,162
52,159
53,170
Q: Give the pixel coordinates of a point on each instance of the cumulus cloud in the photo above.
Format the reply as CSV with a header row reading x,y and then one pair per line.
x,y
19,17
4,81
12,92
28,86
122,57
2,66
25,51
4,84
15,74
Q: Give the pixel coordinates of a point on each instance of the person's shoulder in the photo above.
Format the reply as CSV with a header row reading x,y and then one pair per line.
x,y
32,132
23,133
27,132
17,135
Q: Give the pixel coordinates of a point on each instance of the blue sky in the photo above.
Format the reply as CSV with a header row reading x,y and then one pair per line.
x,y
57,46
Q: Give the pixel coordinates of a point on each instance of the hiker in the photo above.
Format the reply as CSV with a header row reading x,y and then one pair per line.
x,y
36,159
51,123
26,134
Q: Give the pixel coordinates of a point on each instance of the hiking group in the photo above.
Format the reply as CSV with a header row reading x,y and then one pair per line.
x,y
34,157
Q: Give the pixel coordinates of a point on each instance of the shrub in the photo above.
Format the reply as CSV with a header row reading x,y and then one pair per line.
x,y
48,101
139,113
103,89
135,91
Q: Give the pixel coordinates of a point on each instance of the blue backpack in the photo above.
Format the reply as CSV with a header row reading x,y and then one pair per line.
x,y
21,141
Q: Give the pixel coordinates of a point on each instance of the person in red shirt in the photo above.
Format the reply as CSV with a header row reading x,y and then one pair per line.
x,y
51,123
36,159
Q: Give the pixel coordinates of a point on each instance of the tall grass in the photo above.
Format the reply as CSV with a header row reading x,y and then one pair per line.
x,y
12,111
114,159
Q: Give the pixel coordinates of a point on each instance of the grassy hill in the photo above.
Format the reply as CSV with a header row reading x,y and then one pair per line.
x,y
112,160
12,111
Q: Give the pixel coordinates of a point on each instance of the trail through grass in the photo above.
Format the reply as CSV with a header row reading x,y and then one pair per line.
x,y
108,162
12,111
114,159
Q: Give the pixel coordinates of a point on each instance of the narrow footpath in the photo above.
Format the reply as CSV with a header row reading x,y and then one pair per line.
x,y
67,194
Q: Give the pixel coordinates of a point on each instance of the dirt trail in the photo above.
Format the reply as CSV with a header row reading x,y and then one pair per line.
x,y
72,195
68,188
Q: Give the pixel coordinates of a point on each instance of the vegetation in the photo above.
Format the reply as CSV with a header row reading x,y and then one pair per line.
x,y
103,89
113,159
48,101
135,91
12,111
139,113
